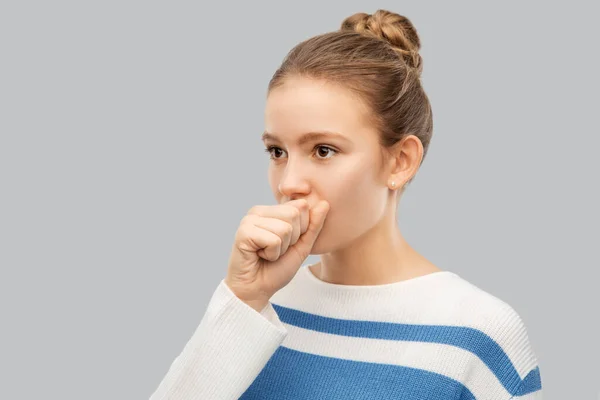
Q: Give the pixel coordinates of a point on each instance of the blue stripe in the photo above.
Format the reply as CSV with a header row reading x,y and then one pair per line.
x,y
467,338
531,382
292,374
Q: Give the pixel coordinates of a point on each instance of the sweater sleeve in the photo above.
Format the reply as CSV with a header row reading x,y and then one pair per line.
x,y
227,351
522,373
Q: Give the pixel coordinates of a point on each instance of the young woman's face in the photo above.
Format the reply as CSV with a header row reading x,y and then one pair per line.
x,y
343,170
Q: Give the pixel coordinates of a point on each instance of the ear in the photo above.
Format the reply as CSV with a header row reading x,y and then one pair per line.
x,y
404,159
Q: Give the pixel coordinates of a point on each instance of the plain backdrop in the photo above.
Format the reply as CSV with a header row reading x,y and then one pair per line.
x,y
130,150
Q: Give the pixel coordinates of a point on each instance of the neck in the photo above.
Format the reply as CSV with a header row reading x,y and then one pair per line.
x,y
379,256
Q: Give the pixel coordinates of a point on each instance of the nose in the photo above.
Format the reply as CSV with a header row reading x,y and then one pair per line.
x,y
294,183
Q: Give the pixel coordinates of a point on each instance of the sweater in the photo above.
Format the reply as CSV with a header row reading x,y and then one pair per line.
x,y
436,336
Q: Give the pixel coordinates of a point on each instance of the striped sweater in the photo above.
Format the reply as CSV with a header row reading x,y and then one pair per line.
x,y
432,337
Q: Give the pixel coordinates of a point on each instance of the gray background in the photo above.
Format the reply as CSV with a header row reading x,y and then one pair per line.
x,y
130,150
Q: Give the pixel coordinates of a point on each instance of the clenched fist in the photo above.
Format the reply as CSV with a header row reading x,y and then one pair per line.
x,y
270,245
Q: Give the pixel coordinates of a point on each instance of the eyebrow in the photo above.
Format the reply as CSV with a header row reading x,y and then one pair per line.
x,y
307,137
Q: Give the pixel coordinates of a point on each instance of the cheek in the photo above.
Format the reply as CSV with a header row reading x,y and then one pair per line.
x,y
352,189
356,205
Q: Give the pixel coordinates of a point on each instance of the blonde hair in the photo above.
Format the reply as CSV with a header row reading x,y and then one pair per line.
x,y
377,58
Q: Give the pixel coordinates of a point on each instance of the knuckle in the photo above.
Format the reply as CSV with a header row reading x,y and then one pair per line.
x,y
246,220
289,229
295,213
254,210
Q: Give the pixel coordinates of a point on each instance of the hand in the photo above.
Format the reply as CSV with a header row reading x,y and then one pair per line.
x,y
270,246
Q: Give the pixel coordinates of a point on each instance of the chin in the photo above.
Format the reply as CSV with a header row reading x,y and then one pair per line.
x,y
320,246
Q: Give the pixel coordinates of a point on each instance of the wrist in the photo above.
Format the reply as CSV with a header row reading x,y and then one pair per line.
x,y
257,304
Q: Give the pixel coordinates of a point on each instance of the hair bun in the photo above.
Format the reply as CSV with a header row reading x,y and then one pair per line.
x,y
393,28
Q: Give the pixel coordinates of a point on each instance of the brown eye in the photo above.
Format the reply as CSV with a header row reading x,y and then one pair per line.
x,y
270,151
320,149
327,149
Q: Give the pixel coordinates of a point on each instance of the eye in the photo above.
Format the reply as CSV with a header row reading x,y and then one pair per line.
x,y
270,150
327,148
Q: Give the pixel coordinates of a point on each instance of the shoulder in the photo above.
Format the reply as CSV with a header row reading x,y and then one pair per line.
x,y
479,309
498,330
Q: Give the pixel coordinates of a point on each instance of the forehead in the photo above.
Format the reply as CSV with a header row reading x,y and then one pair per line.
x,y
305,105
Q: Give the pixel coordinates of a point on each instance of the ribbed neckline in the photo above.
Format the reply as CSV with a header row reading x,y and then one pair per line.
x,y
355,289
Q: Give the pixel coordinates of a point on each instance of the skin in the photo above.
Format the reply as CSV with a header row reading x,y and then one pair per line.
x,y
360,242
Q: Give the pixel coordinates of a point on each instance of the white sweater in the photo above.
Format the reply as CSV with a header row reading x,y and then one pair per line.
x,y
432,337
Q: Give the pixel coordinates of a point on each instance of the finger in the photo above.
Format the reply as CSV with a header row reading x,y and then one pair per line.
x,y
286,211
286,231
301,249
263,242
317,219
303,206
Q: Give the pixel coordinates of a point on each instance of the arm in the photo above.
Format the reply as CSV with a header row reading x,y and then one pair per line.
x,y
531,387
226,353
515,340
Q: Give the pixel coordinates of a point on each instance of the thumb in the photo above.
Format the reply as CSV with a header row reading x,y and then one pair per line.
x,y
317,219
